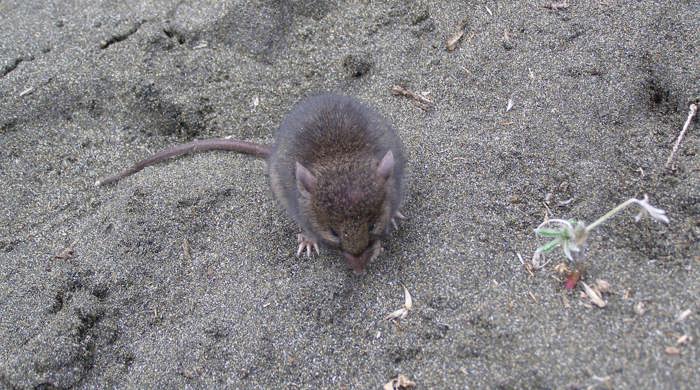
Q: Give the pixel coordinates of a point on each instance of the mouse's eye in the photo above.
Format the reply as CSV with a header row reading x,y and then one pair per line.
x,y
334,233
371,227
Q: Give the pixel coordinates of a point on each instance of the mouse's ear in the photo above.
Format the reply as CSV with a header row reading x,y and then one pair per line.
x,y
386,166
306,181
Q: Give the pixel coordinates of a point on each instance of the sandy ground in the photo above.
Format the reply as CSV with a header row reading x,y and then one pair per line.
x,y
184,275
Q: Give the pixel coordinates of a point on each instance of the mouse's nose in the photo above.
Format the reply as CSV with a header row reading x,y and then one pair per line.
x,y
358,263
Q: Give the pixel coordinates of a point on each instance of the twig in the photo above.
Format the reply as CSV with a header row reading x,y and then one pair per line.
x,y
187,251
26,91
421,101
691,114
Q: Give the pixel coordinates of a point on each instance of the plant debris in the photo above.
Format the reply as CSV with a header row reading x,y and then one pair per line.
x,y
454,38
682,340
691,114
66,253
401,382
571,235
402,312
602,286
422,102
557,5
186,250
509,105
594,295
683,315
572,279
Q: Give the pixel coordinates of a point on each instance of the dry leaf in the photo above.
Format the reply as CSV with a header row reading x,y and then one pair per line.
x,y
408,301
452,42
602,286
402,312
593,295
397,314
557,5
400,383
454,39
561,268
684,314
683,340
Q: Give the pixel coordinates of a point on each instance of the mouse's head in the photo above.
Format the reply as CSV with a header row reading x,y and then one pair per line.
x,y
349,203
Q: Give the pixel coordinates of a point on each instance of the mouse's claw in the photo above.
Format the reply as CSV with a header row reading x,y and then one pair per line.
x,y
305,245
397,215
377,249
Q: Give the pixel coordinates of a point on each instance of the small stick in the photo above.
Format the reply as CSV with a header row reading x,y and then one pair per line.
x,y
422,102
186,250
26,91
691,114
195,146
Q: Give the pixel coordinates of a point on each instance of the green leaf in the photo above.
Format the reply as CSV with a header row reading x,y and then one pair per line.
x,y
553,233
548,246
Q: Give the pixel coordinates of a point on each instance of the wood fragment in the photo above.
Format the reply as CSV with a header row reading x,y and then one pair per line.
x,y
422,102
691,115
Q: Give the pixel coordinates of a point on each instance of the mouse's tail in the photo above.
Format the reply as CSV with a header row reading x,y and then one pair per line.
x,y
204,145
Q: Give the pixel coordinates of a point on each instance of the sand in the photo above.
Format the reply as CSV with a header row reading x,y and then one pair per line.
x,y
184,275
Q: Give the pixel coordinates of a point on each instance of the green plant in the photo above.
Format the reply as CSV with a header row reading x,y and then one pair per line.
x,y
571,235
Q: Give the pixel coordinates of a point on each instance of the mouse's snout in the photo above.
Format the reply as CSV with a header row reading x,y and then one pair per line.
x,y
358,263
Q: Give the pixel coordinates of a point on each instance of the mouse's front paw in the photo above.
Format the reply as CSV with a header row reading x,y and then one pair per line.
x,y
397,215
305,245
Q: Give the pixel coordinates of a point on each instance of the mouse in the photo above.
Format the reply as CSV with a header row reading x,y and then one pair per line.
x,y
336,167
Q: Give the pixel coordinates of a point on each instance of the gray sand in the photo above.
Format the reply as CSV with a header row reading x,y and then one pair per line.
x,y
600,91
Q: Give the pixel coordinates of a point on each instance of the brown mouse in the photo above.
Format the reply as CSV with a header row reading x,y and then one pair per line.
x,y
337,168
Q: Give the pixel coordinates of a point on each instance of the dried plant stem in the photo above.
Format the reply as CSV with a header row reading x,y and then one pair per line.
x,y
691,114
421,101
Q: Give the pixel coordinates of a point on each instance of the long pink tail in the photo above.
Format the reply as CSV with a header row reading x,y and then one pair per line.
x,y
204,145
